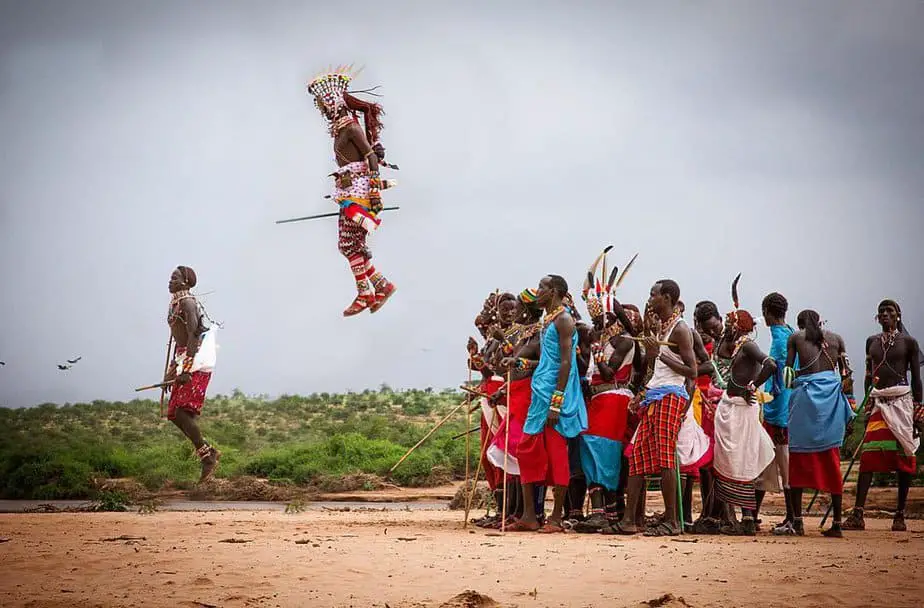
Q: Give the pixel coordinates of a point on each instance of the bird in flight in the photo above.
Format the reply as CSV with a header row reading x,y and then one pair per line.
x,y
63,367
73,361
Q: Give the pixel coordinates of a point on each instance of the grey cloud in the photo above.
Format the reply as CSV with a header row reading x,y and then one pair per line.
x,y
779,140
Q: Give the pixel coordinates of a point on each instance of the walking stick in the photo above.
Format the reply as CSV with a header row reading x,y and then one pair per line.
x,y
506,447
679,491
163,389
427,436
468,445
862,408
471,495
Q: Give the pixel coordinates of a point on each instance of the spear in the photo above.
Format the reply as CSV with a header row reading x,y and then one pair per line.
x,y
320,215
427,436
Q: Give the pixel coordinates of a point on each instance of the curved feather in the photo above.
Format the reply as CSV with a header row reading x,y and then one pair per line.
x,y
625,271
735,299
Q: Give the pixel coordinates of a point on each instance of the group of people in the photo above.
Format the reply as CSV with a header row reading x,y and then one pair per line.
x,y
596,410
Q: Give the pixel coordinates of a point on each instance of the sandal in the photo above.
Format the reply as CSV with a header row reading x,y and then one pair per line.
x,y
519,526
616,528
662,529
551,528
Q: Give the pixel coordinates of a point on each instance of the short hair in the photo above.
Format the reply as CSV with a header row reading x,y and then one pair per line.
x,y
706,310
188,274
776,304
671,289
559,284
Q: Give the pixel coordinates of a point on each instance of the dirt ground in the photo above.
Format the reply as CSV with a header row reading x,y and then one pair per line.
x,y
424,559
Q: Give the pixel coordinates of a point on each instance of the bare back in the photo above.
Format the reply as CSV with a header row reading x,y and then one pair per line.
x,y
813,359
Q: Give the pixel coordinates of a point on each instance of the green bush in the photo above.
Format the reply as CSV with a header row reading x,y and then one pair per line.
x,y
56,452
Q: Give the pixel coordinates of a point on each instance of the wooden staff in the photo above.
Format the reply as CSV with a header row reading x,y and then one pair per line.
x,y
163,389
468,444
427,436
471,494
506,447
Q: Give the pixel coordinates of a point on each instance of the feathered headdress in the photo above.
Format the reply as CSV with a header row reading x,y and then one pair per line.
x,y
741,319
600,293
331,90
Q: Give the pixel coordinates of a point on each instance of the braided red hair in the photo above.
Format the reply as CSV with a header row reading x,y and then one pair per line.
x,y
371,113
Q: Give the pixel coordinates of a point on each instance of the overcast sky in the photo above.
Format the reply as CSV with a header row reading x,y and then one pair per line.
x,y
782,140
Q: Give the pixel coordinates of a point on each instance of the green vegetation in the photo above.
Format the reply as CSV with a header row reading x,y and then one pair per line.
x,y
51,452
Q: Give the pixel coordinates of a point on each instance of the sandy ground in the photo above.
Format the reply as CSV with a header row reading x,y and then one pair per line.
x,y
423,559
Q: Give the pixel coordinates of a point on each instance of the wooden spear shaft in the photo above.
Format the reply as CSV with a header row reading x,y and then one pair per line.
x,y
506,447
163,390
468,446
427,436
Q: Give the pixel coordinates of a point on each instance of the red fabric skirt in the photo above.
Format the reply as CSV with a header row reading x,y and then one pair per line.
x,y
655,445
520,396
607,415
816,471
493,475
189,396
779,434
543,458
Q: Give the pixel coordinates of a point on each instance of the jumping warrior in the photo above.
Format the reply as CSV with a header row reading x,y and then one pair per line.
x,y
357,186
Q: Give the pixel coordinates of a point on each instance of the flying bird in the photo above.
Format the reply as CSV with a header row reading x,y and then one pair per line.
x,y
63,367
2,362
73,361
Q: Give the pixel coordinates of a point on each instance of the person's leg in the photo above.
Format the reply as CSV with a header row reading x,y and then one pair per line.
x,y
904,484
855,520
835,530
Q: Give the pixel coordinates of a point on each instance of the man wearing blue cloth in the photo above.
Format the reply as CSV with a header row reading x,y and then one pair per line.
x,y
776,412
818,418
556,412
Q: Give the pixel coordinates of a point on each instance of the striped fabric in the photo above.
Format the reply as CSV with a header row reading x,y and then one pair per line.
x,y
881,451
738,493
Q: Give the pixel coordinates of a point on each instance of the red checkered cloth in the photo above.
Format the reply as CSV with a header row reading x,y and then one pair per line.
x,y
656,442
189,396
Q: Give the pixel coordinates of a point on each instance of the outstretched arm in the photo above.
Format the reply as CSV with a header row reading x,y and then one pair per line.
x,y
868,381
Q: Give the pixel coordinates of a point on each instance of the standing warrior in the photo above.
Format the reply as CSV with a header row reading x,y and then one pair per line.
x,y
890,442
743,449
357,184
556,411
663,404
818,417
776,411
188,387
611,370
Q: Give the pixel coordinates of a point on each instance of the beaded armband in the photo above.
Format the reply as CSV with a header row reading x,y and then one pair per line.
x,y
789,377
524,364
507,348
187,364
477,361
557,400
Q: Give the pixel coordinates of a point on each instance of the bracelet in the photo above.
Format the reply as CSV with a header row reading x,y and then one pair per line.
x,y
558,398
557,410
187,364
507,348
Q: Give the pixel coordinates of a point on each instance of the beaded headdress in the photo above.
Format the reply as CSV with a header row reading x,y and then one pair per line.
x,y
328,88
600,293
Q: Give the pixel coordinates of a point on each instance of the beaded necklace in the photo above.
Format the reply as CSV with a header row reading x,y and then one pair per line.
x,y
670,325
